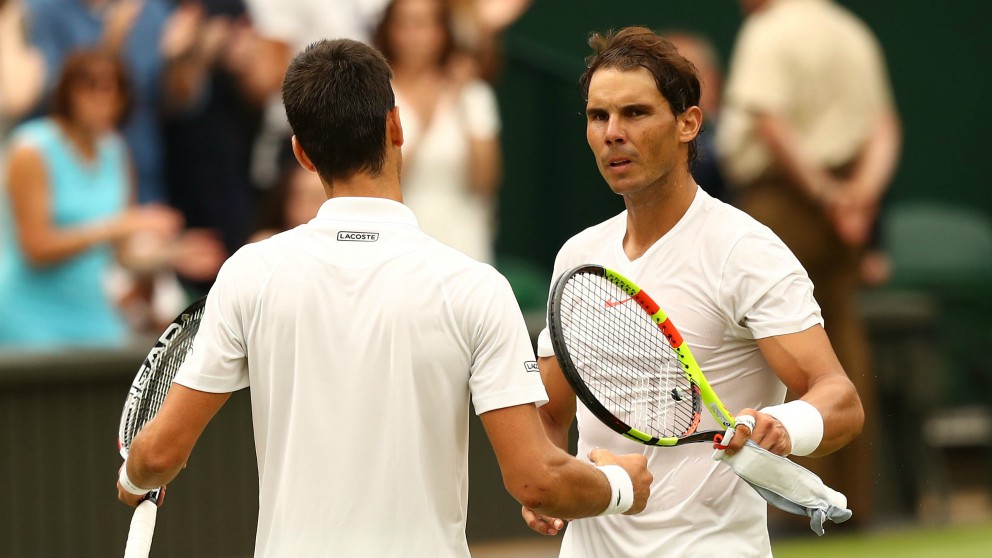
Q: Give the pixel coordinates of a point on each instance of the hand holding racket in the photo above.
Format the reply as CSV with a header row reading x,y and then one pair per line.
x,y
143,402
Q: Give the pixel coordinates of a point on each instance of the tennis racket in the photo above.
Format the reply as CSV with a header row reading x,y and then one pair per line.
x,y
144,400
626,361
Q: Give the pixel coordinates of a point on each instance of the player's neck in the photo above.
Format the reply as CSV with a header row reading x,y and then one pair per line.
x,y
386,185
651,214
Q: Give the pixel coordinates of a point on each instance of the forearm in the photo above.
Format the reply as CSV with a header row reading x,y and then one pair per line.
x,y
877,163
570,489
57,245
145,473
839,405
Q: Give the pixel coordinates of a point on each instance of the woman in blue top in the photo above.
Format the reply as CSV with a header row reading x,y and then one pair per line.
x,y
70,209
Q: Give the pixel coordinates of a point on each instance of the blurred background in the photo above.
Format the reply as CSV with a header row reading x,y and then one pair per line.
x,y
191,162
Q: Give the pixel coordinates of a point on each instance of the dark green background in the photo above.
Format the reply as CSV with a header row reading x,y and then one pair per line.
x,y
938,62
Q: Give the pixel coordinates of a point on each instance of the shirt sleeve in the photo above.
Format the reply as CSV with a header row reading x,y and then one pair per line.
x,y
765,288
218,362
504,372
274,19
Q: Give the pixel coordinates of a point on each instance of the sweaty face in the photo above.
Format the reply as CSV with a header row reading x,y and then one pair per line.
x,y
631,130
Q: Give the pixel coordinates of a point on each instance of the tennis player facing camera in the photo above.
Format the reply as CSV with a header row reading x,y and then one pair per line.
x,y
741,300
363,340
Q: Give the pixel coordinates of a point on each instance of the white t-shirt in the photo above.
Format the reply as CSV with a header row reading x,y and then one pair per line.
x,y
724,280
436,168
363,340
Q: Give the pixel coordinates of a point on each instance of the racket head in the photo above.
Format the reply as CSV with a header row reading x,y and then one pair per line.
x,y
626,361
155,375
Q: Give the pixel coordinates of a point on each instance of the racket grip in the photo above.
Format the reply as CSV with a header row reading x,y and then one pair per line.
x,y
139,538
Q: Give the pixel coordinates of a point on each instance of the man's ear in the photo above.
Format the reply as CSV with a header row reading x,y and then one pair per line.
x,y
690,123
302,156
394,128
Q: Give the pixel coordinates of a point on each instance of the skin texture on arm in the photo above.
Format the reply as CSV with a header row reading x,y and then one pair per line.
x,y
164,445
548,480
807,365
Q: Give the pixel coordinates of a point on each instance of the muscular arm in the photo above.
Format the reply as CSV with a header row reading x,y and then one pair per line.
x,y
163,446
806,363
546,479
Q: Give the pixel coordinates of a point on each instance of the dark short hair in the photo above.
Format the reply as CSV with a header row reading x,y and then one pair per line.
x,y
381,38
77,69
337,95
676,77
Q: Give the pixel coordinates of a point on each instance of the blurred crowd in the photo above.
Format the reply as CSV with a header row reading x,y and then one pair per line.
x,y
143,141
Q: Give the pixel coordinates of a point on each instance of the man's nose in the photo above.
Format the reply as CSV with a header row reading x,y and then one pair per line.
x,y
615,133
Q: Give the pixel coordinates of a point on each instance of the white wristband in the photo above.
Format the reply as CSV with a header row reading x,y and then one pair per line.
x,y
621,489
803,423
129,486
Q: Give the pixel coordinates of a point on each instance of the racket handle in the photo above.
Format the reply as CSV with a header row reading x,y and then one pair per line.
x,y
139,538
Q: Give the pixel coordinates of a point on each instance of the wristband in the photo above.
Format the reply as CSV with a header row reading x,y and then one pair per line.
x,y
803,423
129,486
621,489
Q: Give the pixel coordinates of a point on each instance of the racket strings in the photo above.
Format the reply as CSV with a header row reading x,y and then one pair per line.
x,y
625,359
161,367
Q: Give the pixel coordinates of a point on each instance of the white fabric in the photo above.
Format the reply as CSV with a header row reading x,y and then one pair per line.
x,y
362,340
786,485
436,168
621,489
802,421
723,279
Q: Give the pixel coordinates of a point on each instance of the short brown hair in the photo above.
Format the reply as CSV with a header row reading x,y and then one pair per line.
x,y
337,95
676,77
76,69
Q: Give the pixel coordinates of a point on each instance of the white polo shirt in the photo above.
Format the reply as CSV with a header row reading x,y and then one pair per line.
x,y
724,280
363,340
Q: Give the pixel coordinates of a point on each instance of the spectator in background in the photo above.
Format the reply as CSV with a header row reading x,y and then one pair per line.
x,y
69,196
132,29
451,154
284,28
290,203
700,51
810,132
210,123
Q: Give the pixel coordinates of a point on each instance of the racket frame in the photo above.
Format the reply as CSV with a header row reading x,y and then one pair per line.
x,y
703,393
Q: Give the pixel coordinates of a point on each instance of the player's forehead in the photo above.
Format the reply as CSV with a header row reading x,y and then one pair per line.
x,y
617,87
